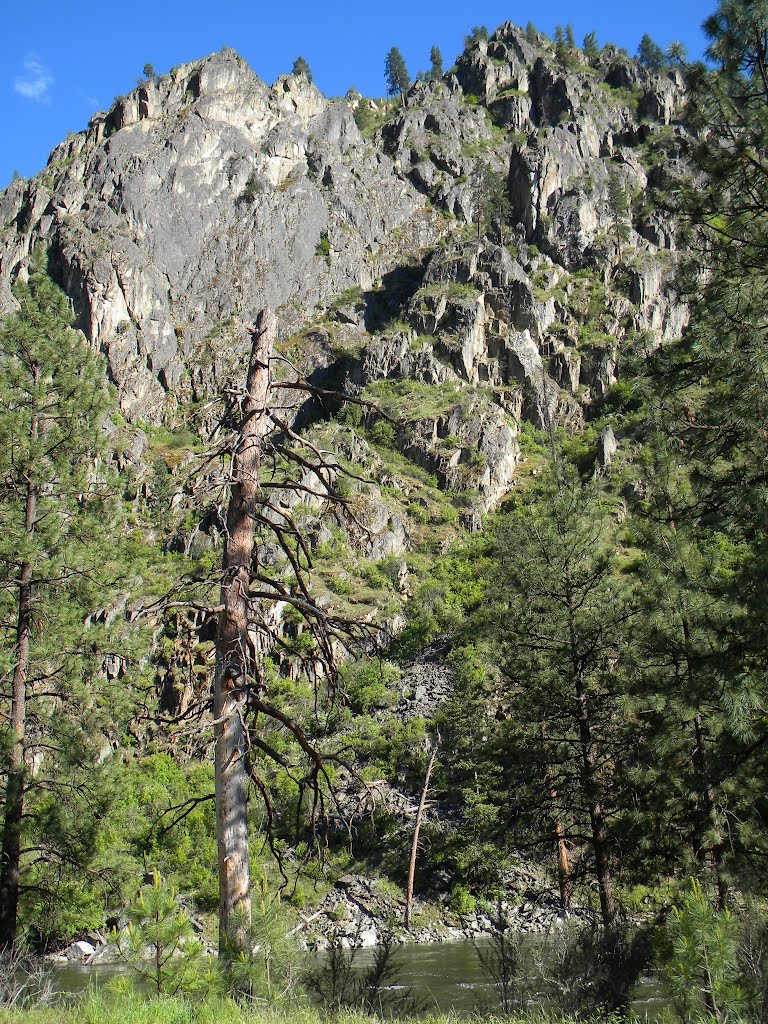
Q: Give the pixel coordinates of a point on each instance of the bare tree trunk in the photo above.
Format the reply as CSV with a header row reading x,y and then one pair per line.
x,y
10,855
233,651
416,831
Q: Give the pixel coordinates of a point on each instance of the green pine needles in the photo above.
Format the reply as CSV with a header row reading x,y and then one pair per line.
x,y
159,944
54,563
702,970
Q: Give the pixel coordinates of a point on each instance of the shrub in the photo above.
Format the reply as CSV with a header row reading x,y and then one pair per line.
x,y
383,433
370,683
461,901
323,248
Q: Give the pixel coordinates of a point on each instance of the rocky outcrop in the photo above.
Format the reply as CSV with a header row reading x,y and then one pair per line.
x,y
193,202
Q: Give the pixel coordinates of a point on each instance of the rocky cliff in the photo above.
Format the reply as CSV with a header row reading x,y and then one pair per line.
x,y
204,194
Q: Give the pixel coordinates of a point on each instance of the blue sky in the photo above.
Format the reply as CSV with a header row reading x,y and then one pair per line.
x,y
63,61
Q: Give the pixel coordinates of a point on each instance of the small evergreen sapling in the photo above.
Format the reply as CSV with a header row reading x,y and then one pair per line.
x,y
159,945
701,959
268,971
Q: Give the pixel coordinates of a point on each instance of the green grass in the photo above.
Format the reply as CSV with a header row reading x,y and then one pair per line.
x,y
453,290
100,1009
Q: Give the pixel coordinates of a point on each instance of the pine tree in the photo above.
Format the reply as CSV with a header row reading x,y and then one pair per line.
x,y
698,810
436,60
618,209
478,34
702,969
301,67
677,53
562,627
396,74
52,398
710,384
561,48
707,391
245,713
570,42
650,54
159,945
498,205
591,49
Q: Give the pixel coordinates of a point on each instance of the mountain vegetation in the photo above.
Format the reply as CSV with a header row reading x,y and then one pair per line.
x,y
383,508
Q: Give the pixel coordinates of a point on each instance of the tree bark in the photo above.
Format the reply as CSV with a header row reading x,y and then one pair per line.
x,y
415,843
10,854
234,655
708,814
591,790
558,832
563,866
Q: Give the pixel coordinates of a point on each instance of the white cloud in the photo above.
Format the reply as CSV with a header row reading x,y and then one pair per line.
x,y
36,81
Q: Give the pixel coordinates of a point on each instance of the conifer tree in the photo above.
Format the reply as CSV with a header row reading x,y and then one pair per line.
x,y
561,47
618,209
591,49
436,60
696,807
562,627
708,392
478,34
301,67
52,398
490,198
246,631
498,205
650,54
677,52
159,945
396,74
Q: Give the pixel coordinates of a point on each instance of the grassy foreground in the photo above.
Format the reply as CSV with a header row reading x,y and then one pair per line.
x,y
98,1009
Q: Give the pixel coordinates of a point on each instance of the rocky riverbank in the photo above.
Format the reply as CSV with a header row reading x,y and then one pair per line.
x,y
360,911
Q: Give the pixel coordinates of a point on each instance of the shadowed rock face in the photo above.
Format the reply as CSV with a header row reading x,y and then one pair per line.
x,y
205,194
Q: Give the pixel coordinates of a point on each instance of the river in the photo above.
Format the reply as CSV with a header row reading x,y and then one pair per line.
x,y
442,975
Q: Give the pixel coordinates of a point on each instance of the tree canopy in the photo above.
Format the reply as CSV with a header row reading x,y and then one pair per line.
x,y
396,73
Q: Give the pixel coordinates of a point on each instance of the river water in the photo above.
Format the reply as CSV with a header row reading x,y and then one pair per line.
x,y
442,975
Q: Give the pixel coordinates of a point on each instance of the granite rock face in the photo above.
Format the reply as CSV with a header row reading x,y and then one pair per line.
x,y
191,203
204,194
